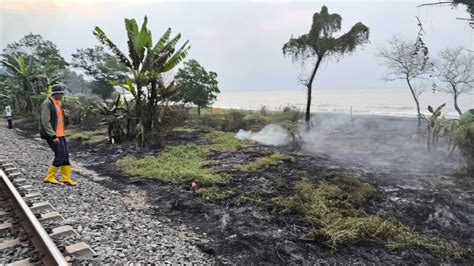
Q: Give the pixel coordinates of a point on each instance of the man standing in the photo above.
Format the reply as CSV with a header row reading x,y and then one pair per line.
x,y
52,130
8,114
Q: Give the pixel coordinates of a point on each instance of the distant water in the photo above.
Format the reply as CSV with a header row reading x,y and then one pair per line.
x,y
392,102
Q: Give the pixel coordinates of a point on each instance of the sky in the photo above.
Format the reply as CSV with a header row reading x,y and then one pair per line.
x,y
242,40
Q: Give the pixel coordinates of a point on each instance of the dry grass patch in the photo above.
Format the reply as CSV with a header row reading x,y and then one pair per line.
x,y
334,208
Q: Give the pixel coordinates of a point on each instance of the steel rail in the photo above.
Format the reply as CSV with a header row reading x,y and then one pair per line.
x,y
40,238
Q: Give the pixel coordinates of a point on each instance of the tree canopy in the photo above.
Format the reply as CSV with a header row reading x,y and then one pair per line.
x,y
196,85
321,43
102,67
43,51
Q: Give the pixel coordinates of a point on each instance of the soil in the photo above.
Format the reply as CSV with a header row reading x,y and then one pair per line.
x,y
435,204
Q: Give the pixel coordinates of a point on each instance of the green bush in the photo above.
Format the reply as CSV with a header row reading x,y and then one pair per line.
x,y
234,120
208,122
77,109
465,141
256,121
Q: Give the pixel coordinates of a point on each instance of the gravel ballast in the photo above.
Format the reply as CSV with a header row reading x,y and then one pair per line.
x,y
116,226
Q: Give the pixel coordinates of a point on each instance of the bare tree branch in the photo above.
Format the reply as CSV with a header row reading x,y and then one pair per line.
x,y
438,3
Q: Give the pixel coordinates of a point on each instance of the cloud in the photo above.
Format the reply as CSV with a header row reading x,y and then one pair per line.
x,y
83,6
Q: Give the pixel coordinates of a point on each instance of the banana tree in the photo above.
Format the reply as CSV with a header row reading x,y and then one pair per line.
x,y
146,62
112,113
7,87
128,86
34,80
26,73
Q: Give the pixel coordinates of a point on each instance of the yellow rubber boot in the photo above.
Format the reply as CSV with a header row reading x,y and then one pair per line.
x,y
51,177
66,175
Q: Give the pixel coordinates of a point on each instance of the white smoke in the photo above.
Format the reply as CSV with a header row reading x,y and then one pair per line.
x,y
270,135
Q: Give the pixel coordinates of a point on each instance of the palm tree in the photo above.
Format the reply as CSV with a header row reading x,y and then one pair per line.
x,y
26,72
146,63
34,80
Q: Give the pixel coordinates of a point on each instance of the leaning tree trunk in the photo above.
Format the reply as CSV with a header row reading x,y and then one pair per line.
x,y
309,85
416,101
308,103
199,110
456,106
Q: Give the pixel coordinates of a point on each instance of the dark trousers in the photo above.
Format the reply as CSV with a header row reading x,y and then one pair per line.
x,y
10,122
61,152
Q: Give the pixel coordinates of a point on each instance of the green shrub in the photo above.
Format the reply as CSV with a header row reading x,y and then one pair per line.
x,y
464,138
234,120
208,122
290,113
255,121
77,109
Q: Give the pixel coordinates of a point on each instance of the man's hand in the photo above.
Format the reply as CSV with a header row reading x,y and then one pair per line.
x,y
56,141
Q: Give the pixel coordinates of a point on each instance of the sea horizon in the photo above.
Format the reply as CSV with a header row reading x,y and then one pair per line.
x,y
385,102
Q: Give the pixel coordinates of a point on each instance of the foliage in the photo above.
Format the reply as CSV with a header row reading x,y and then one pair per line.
x,y
455,71
78,108
463,135
147,62
289,120
27,81
113,113
170,117
195,85
234,120
207,122
102,67
32,64
256,121
436,127
42,51
229,121
468,3
75,83
320,43
334,208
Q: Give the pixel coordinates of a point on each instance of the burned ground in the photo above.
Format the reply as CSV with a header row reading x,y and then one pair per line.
x,y
246,226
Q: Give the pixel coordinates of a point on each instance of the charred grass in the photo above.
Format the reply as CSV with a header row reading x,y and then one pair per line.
x,y
329,206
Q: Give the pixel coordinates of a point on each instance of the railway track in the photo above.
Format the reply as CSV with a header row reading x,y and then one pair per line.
x,y
31,231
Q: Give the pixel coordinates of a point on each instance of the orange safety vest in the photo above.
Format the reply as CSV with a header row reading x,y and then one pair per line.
x,y
60,118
